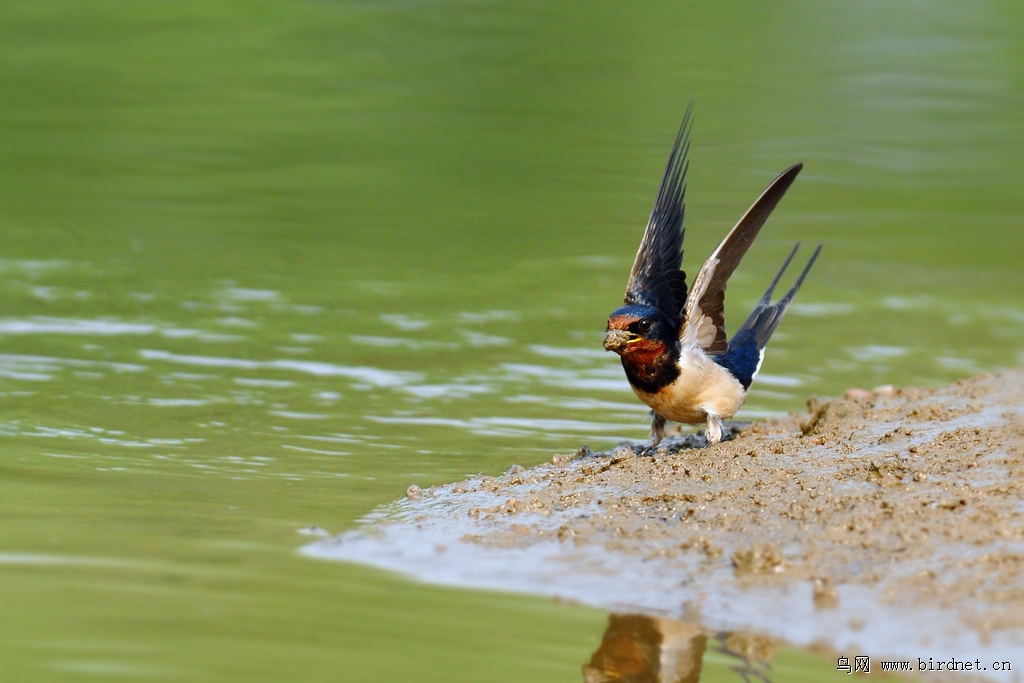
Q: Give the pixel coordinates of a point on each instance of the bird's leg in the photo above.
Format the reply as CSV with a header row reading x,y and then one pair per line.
x,y
657,429
714,431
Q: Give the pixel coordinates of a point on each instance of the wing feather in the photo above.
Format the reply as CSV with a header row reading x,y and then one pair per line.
x,y
655,279
705,307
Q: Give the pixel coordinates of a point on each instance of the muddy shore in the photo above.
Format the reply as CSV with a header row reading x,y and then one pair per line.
x,y
890,520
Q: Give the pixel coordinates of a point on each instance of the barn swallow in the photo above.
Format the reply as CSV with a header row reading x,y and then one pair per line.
x,y
671,339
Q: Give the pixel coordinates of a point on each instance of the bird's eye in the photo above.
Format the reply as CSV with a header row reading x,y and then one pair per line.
x,y
644,325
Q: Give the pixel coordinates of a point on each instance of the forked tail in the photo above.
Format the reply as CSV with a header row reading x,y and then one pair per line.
x,y
746,348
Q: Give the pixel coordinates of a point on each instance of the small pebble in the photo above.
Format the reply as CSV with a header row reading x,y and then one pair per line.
x,y
414,492
884,390
855,394
621,454
761,558
515,469
825,594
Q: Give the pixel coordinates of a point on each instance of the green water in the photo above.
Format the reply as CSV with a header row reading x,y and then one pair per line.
x,y
263,265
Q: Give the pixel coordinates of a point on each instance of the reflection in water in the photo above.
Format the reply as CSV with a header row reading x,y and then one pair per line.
x,y
638,648
641,649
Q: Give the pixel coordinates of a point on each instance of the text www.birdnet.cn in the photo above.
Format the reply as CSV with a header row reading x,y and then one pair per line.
x,y
862,664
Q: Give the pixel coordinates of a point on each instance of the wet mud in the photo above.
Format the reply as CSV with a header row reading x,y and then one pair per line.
x,y
890,520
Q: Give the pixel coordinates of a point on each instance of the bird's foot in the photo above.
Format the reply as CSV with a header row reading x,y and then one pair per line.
x,y
649,451
713,433
657,428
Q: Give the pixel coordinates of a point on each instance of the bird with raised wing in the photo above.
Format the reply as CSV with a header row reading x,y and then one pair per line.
x,y
671,339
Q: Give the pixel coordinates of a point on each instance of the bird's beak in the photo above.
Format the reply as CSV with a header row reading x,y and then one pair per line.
x,y
616,340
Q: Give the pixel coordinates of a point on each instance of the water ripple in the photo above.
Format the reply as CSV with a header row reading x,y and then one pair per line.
x,y
510,426
41,368
373,376
106,328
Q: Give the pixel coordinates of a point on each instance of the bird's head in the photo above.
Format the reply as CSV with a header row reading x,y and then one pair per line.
x,y
638,332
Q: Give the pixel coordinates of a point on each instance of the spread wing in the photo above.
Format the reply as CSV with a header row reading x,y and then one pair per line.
x,y
705,307
655,279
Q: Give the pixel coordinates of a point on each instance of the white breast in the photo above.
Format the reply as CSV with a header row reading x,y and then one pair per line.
x,y
702,388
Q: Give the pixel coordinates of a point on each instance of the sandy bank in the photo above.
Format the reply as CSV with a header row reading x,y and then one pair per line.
x,y
890,521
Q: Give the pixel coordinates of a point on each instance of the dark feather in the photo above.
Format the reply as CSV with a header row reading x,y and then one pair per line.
x,y
655,279
731,251
766,315
745,348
